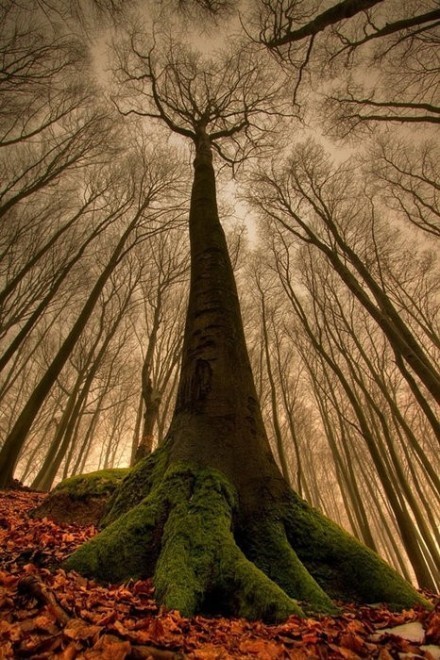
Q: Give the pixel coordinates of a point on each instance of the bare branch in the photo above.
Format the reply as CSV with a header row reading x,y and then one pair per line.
x,y
278,32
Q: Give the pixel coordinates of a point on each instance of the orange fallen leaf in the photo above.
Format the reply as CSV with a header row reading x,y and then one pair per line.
x,y
108,647
433,629
78,630
345,653
10,631
352,641
262,649
69,653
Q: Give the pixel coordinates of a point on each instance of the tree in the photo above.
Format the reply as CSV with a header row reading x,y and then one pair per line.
x,y
311,199
346,350
279,19
148,179
168,269
97,349
209,513
39,82
395,42
409,179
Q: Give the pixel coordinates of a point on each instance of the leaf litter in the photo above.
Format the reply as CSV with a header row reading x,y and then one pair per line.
x,y
46,612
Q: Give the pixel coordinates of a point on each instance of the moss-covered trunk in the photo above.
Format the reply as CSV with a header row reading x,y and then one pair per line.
x,y
209,513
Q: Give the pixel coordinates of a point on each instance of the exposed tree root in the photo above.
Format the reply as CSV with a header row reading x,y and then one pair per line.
x,y
30,585
206,556
344,567
267,545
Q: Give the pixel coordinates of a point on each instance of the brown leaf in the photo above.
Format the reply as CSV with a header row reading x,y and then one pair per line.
x,y
106,618
208,652
68,538
78,630
6,651
433,629
384,654
298,654
121,629
108,647
352,641
10,631
46,623
345,653
156,629
262,649
69,653
8,580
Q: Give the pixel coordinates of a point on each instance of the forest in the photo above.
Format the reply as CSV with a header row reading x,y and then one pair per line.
x,y
219,324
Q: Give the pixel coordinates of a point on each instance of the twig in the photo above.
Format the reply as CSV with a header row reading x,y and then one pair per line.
x,y
31,585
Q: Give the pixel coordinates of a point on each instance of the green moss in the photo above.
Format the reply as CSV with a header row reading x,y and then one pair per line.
x,y
138,484
343,566
183,533
100,482
200,560
128,548
267,545
183,529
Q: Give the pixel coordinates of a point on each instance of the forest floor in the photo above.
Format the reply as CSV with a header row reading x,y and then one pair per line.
x,y
46,612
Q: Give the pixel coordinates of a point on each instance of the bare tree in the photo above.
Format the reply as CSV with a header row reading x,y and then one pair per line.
x,y
278,19
97,348
409,180
313,202
167,270
396,43
215,470
147,179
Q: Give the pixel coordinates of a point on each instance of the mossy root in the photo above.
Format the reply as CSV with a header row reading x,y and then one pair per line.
x,y
139,482
344,567
183,533
266,544
101,482
126,549
200,561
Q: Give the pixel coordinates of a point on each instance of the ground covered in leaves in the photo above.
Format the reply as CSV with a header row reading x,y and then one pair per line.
x,y
46,612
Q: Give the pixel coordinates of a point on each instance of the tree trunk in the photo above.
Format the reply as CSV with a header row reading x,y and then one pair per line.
x,y
13,444
151,404
209,513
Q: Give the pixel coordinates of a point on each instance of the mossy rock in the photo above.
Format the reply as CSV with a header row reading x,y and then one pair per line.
x,y
81,499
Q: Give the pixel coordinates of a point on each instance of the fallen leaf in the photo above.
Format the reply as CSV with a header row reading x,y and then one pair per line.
x,y
433,630
78,630
261,649
108,647
384,654
345,653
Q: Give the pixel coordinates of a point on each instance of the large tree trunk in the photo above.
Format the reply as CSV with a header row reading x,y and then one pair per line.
x,y
209,513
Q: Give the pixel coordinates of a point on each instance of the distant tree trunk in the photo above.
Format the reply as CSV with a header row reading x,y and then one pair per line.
x,y
151,397
152,400
65,432
273,393
45,301
137,430
14,442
